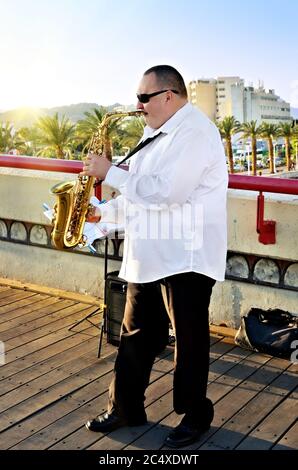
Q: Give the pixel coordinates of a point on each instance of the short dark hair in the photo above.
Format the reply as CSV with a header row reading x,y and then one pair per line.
x,y
168,77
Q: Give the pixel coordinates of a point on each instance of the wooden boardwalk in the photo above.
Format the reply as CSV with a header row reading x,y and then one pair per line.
x,y
52,383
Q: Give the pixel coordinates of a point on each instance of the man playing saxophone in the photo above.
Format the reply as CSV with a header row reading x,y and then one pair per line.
x,y
173,203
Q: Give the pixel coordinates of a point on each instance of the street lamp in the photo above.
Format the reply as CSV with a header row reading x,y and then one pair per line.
x,y
247,151
274,156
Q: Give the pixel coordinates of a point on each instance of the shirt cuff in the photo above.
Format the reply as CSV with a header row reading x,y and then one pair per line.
x,y
116,177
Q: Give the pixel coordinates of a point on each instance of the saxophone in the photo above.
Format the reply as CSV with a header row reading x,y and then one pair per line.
x,y
72,203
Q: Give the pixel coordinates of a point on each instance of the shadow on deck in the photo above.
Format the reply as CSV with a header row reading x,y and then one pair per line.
x,y
52,383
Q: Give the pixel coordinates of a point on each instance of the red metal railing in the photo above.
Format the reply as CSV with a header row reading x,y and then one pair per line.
x,y
265,228
45,164
265,184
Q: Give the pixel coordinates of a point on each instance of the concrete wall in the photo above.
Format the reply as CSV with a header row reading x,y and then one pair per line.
x,y
242,236
22,193
232,299
59,269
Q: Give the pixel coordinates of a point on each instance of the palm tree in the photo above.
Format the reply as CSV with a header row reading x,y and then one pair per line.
x,y
7,137
269,132
87,127
131,132
294,141
252,131
26,141
287,131
55,136
227,128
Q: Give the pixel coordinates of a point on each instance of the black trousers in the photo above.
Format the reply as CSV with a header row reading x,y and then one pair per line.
x,y
185,299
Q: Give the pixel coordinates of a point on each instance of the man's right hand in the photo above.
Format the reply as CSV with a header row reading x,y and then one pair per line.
x,y
93,214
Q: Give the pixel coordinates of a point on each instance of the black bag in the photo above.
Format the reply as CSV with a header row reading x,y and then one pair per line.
x,y
272,332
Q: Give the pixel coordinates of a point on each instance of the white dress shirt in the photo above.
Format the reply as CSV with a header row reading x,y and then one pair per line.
x,y
173,201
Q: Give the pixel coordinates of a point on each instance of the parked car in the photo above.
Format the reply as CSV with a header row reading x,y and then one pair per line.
x,y
279,161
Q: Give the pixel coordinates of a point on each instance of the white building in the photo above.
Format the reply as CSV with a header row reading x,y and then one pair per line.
x,y
228,96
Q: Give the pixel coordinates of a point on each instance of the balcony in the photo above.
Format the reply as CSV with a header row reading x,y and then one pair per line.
x,y
52,381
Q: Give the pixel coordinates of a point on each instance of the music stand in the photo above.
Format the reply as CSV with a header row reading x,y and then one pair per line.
x,y
100,327
104,314
86,318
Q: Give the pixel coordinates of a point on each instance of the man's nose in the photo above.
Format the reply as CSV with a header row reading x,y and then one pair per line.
x,y
140,105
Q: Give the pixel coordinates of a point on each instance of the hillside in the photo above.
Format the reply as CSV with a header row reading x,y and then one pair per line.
x,y
21,117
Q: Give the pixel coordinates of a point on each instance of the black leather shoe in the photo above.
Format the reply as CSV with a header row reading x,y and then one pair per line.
x,y
111,421
184,434
192,426
106,423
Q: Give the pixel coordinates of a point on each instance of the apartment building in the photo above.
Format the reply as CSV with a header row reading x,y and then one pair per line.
x,y
228,96
202,94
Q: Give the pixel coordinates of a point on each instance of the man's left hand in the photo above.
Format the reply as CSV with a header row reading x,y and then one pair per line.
x,y
97,166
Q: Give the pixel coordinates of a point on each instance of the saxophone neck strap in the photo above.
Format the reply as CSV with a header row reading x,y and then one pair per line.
x,y
139,147
130,154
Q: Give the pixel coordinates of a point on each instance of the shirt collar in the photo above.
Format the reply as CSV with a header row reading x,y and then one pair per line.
x,y
170,124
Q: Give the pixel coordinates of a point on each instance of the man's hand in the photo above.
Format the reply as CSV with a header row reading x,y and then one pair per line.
x,y
97,166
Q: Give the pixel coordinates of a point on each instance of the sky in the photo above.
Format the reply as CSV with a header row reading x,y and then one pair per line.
x,y
60,52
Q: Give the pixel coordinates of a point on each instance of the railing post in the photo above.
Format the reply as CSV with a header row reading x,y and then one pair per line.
x,y
265,228
97,191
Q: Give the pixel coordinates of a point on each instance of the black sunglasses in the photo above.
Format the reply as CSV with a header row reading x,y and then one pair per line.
x,y
145,98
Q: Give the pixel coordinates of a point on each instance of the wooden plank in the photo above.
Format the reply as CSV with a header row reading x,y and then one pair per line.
x,y
223,331
42,368
40,343
243,391
58,342
75,404
66,415
26,340
223,393
7,291
12,296
46,381
21,303
131,438
82,438
65,313
289,441
161,407
27,325
13,317
50,414
158,404
250,415
44,398
75,419
154,438
273,427
85,298
2,288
